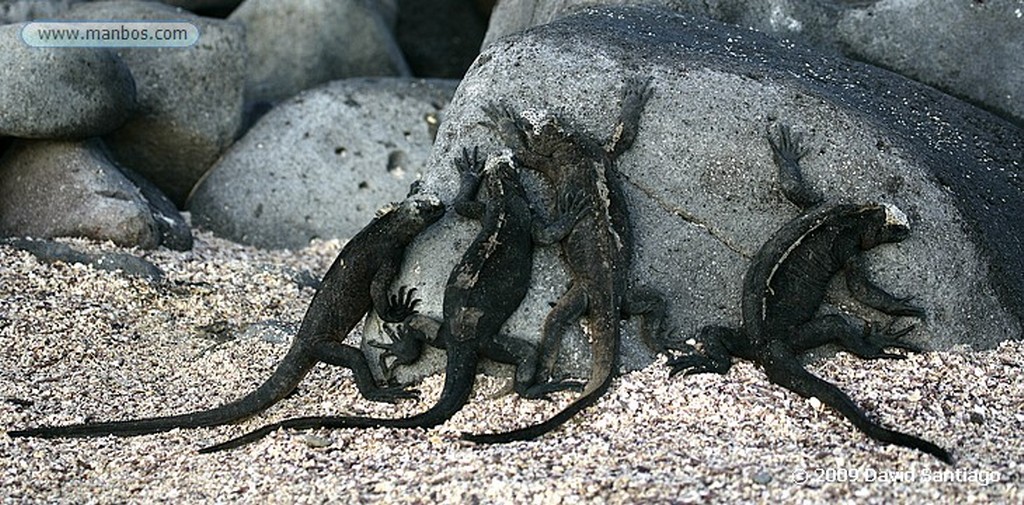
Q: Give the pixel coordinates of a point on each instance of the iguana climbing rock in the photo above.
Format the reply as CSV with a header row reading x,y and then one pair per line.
x,y
598,251
484,289
786,284
359,280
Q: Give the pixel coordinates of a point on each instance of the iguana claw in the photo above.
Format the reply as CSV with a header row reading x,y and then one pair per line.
x,y
400,305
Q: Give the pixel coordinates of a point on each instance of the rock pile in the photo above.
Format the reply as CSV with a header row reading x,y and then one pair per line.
x,y
167,115
114,143
108,143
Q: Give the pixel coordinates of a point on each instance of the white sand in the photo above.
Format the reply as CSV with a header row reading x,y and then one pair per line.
x,y
86,345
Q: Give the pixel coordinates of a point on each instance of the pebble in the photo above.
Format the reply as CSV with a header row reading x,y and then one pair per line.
x,y
316,441
762,478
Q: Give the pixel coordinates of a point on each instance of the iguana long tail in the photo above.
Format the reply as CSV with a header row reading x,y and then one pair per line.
x,y
784,369
292,369
458,385
605,351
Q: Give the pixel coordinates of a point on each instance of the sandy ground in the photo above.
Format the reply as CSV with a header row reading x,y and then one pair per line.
x,y
80,344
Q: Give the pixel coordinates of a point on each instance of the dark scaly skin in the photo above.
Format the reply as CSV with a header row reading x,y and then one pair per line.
x,y
483,290
359,280
598,251
786,284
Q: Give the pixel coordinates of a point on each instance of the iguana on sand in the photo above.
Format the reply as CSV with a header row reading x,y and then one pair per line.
x,y
786,284
484,289
358,281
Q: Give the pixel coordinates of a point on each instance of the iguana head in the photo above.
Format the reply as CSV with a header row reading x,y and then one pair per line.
x,y
545,134
499,164
408,218
882,224
502,174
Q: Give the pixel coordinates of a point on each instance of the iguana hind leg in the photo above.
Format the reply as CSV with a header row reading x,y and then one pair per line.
x,y
523,354
649,305
864,339
336,353
569,309
716,357
404,348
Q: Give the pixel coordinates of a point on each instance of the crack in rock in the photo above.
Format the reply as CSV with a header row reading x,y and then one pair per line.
x,y
689,218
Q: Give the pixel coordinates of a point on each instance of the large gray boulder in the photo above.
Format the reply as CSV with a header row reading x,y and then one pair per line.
x,y
61,92
701,184
968,49
320,164
295,45
71,189
190,98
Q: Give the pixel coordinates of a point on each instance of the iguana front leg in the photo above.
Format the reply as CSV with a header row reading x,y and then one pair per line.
x,y
571,207
470,168
401,305
649,305
787,153
716,342
870,294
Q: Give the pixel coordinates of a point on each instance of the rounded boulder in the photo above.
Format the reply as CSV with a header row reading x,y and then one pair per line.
x,y
61,93
320,164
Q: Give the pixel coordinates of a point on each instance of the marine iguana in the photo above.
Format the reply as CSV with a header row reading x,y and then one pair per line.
x,y
359,280
598,251
483,290
786,284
